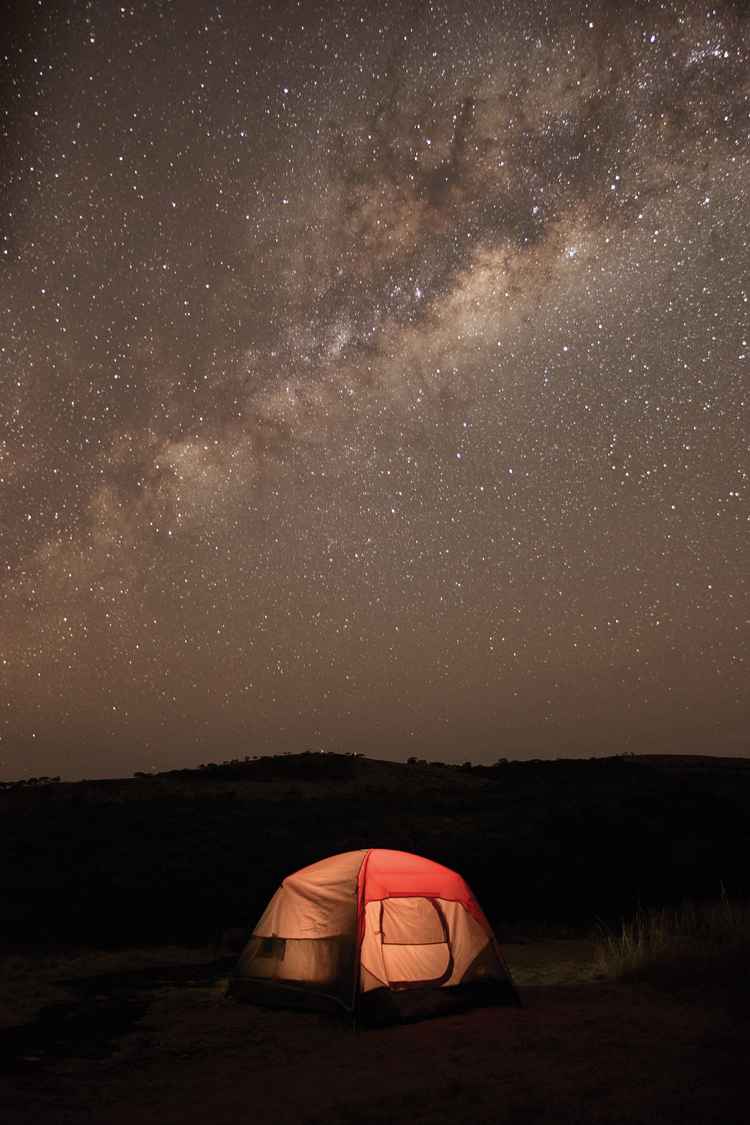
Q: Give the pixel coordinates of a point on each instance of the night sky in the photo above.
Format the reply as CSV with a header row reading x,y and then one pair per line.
x,y
372,380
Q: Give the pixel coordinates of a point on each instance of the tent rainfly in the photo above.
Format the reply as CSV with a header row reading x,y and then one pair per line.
x,y
384,935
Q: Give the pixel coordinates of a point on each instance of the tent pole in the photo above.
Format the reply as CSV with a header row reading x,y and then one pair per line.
x,y
360,934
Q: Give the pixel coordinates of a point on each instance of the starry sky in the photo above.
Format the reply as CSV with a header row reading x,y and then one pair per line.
x,y
372,378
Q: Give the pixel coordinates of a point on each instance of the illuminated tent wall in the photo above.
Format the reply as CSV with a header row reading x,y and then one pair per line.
x,y
383,934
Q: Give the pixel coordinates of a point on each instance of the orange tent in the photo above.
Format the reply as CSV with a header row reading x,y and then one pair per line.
x,y
385,935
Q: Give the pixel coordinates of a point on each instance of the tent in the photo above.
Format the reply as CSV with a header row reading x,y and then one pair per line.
x,y
384,935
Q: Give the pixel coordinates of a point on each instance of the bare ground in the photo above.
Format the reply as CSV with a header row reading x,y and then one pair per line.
x,y
148,1037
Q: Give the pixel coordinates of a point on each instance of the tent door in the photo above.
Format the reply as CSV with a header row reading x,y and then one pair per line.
x,y
415,943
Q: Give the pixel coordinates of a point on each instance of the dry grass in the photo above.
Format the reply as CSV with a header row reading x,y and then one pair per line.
x,y
654,939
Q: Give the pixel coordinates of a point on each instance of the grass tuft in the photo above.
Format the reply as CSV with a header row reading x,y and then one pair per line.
x,y
693,931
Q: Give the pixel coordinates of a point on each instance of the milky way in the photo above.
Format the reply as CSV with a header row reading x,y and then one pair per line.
x,y
372,380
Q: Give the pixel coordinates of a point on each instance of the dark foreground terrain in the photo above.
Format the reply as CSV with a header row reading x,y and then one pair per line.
x,y
148,1037
114,896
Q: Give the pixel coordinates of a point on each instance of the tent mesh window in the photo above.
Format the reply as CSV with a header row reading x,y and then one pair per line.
x,y
314,964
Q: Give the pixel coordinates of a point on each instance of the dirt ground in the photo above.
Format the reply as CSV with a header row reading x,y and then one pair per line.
x,y
149,1037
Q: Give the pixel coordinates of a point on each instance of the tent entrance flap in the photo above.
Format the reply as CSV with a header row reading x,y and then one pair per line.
x,y
415,940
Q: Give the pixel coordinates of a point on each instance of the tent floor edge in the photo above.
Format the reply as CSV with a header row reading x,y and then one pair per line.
x,y
384,1006
272,994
